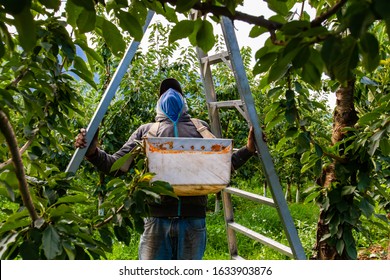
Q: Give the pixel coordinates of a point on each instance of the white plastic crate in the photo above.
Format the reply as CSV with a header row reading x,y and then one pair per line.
x,y
193,166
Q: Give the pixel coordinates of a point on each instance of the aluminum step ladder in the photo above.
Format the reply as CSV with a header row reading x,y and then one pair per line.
x,y
246,107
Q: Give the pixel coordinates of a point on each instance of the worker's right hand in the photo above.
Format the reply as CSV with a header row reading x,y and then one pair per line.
x,y
81,142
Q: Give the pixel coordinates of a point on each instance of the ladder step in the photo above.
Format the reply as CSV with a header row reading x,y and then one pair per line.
x,y
215,58
262,239
229,104
251,196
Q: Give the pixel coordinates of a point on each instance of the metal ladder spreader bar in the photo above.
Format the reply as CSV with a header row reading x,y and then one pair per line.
x,y
101,110
251,196
262,239
230,104
263,154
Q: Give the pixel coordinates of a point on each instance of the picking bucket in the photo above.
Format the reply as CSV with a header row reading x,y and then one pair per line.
x,y
193,166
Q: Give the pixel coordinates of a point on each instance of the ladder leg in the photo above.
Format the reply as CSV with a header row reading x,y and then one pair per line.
x,y
106,99
229,218
264,154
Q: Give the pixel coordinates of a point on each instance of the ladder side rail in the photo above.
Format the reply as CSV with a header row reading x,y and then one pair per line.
x,y
208,83
264,154
211,96
101,110
229,218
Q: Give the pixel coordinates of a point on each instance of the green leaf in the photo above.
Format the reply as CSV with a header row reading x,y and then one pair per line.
x,y
366,207
113,37
278,120
290,152
318,150
312,196
347,190
271,114
51,4
82,67
340,246
7,241
182,29
363,181
163,188
129,23
358,17
86,4
291,114
122,234
303,142
25,26
351,251
278,6
382,8
205,36
51,243
302,57
183,6
370,50
384,145
86,21
348,60
13,224
78,198
73,12
318,167
69,249
2,49
90,52
120,162
291,132
15,7
256,31
367,118
295,27
311,75
85,78
264,63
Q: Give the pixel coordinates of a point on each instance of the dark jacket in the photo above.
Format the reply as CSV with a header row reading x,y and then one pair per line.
x,y
190,206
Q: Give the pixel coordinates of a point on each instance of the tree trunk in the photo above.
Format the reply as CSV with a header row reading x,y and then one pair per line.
x,y
344,116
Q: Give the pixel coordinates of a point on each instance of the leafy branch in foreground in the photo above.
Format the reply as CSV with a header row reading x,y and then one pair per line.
x,y
71,228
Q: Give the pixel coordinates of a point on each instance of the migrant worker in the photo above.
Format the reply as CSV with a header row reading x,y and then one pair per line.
x,y
176,228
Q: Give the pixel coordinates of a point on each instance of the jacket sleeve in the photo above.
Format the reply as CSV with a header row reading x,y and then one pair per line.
x,y
103,161
240,157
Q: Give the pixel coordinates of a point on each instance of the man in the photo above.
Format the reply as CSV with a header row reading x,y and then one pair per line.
x,y
176,228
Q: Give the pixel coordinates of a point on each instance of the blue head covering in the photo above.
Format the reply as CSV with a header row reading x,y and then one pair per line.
x,y
172,104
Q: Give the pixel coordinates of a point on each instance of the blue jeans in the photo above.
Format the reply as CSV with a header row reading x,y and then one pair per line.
x,y
173,239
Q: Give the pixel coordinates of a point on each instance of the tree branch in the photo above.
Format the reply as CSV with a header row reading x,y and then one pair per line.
x,y
106,221
8,132
333,10
22,149
209,8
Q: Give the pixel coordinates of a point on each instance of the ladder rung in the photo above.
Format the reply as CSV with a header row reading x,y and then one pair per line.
x,y
230,103
262,239
251,196
215,58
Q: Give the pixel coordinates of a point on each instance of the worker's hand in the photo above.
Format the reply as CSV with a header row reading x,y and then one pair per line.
x,y
81,142
250,144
